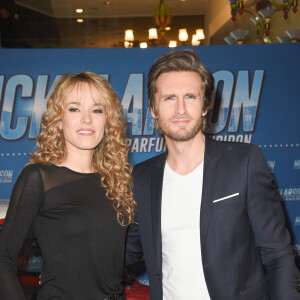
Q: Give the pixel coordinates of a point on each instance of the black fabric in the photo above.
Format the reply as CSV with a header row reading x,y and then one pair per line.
x,y
76,227
246,249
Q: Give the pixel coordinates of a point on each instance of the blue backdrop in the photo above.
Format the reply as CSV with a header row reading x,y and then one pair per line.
x,y
257,92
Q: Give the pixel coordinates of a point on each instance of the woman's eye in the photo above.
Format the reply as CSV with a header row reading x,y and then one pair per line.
x,y
98,111
73,109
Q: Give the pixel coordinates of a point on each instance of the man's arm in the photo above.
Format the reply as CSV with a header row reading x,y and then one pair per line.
x,y
134,251
271,235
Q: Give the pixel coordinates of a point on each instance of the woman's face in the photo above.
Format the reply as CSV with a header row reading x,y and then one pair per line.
x,y
84,119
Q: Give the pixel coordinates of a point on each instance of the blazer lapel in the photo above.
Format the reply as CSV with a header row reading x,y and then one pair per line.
x,y
156,195
210,179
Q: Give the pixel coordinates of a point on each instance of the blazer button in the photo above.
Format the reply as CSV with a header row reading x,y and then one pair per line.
x,y
158,277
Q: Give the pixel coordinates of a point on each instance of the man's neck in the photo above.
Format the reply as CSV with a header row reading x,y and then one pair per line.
x,y
184,157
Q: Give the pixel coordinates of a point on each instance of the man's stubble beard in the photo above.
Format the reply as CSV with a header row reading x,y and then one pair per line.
x,y
180,136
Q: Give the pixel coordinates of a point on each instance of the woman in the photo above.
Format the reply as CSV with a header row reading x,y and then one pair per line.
x,y
75,196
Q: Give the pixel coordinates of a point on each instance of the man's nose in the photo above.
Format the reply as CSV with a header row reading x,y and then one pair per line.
x,y
180,106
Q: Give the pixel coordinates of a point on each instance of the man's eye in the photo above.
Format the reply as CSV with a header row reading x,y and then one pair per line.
x,y
170,98
190,96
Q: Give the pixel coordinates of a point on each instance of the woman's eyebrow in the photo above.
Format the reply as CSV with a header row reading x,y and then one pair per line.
x,y
73,102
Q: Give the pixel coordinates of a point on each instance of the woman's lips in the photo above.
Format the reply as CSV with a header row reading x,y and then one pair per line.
x,y
85,131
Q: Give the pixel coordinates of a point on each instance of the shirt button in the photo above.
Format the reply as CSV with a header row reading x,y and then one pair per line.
x,y
158,277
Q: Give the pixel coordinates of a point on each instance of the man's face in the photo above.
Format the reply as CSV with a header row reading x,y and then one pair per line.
x,y
179,102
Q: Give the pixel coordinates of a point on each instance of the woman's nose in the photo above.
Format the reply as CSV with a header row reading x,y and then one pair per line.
x,y
86,118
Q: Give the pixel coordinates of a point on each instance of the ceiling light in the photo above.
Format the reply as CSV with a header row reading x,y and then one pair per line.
x,y
183,35
195,41
293,34
128,44
157,36
129,37
262,12
152,34
200,34
143,45
79,20
79,10
172,44
230,40
283,39
239,34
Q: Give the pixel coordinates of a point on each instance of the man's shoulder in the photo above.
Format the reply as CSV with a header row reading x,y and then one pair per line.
x,y
149,163
234,154
234,147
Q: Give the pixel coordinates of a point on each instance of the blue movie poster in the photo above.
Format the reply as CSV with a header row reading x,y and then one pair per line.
x,y
256,100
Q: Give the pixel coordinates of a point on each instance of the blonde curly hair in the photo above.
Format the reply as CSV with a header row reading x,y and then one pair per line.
x,y
110,157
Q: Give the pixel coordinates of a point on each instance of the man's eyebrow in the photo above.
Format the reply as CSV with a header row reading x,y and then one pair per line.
x,y
185,94
193,93
168,95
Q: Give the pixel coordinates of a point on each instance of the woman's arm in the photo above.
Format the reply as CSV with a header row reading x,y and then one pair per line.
x,y
22,211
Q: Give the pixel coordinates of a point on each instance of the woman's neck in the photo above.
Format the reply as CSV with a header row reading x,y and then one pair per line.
x,y
79,162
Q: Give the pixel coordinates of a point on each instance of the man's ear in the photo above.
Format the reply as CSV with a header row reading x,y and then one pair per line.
x,y
204,113
153,113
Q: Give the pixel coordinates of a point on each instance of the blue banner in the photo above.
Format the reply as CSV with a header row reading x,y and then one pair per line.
x,y
256,101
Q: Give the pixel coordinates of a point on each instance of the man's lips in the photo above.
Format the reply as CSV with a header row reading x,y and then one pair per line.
x,y
85,131
180,121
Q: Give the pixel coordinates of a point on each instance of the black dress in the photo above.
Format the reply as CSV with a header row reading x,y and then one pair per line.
x,y
76,227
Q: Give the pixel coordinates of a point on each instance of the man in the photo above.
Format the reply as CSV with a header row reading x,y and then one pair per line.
x,y
210,222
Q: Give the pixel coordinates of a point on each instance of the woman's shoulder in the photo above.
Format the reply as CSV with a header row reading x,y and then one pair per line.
x,y
32,168
39,171
29,176
52,175
47,175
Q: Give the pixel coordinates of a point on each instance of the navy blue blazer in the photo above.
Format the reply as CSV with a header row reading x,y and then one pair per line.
x,y
246,248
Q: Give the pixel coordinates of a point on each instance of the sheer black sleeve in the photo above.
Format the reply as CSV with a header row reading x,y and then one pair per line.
x,y
23,208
